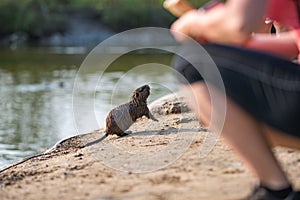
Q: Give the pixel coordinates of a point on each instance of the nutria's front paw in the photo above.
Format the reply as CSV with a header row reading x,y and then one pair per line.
x,y
154,119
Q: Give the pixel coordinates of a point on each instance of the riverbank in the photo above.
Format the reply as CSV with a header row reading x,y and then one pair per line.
x,y
71,172
42,23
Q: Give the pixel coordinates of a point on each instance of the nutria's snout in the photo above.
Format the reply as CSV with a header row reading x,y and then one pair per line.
x,y
141,94
145,89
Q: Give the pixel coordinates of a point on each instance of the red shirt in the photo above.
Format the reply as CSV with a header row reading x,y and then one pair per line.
x,y
284,11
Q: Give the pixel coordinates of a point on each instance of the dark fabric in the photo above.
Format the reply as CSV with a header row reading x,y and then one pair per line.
x,y
266,86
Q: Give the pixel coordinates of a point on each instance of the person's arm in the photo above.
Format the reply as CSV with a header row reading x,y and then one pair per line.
x,y
282,44
232,22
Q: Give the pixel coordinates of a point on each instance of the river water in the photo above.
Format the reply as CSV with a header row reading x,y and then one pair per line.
x,y
36,87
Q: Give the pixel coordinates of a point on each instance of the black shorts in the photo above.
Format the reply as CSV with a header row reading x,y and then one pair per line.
x,y
266,86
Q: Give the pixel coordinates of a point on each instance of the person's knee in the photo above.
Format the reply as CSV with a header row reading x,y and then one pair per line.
x,y
187,73
198,99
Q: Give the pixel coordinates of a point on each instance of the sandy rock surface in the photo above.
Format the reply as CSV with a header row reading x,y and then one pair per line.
x,y
159,160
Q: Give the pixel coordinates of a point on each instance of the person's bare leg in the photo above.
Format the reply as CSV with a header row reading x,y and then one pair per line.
x,y
245,135
278,138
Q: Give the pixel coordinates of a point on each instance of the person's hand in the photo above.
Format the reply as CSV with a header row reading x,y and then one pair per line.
x,y
181,28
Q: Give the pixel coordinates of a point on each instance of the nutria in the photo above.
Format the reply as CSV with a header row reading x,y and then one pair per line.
x,y
123,116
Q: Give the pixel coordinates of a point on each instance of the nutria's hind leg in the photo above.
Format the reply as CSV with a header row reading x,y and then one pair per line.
x,y
125,133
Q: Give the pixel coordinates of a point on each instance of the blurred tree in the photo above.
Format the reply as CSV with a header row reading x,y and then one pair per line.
x,y
35,17
40,18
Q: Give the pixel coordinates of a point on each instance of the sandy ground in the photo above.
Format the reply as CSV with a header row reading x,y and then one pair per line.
x,y
158,161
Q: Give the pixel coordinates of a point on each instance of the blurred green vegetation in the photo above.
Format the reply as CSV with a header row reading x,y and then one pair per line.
x,y
34,17
38,18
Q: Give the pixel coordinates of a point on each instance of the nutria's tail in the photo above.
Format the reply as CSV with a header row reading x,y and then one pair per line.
x,y
95,141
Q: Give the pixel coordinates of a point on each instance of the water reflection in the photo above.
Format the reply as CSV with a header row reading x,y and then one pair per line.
x,y
36,95
32,95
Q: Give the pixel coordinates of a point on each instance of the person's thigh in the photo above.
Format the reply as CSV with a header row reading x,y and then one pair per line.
x,y
266,87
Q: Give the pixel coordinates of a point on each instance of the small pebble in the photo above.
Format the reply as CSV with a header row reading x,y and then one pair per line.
x,y
78,155
67,174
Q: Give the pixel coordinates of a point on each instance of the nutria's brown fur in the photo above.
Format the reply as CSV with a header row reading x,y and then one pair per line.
x,y
122,117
